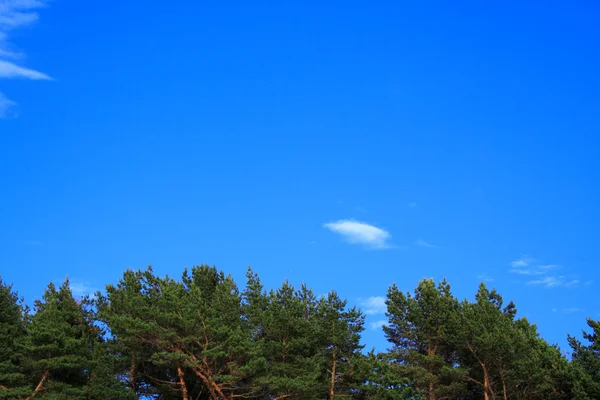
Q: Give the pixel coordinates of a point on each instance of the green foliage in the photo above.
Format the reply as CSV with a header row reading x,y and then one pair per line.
x,y
421,329
586,360
12,331
199,338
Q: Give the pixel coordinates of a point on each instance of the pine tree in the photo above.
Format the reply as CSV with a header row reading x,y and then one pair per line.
x,y
339,333
12,331
184,338
59,345
289,345
586,359
420,329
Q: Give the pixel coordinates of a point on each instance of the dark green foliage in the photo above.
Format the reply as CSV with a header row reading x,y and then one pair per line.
x,y
421,329
586,359
200,338
12,331
59,346
181,337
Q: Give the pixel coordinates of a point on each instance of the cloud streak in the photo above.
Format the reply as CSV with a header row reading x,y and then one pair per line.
x,y
378,324
373,305
356,232
422,243
15,14
11,70
541,274
80,289
7,106
554,281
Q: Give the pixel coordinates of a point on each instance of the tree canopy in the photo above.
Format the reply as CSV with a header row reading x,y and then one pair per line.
x,y
201,337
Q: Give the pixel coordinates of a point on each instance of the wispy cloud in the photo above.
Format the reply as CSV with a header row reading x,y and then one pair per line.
x,y
567,310
378,324
523,261
545,273
15,14
81,288
423,243
11,70
356,232
554,281
412,204
373,305
7,107
485,278
526,265
534,270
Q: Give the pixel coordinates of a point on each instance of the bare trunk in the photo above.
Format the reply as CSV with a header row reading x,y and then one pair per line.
x,y
40,385
215,390
332,385
184,390
505,395
132,375
488,393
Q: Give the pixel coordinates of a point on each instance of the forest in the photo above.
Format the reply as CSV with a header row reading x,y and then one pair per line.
x,y
200,336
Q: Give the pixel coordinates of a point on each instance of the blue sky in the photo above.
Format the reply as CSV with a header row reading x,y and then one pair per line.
x,y
347,145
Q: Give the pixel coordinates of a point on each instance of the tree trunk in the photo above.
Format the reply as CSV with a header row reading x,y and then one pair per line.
x,y
184,390
505,395
132,375
488,393
431,394
40,385
332,385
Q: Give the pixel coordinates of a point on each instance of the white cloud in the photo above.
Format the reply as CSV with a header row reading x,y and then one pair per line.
x,y
554,281
7,106
412,204
567,310
534,270
485,278
522,262
526,265
373,305
11,70
356,232
15,14
81,288
423,243
378,324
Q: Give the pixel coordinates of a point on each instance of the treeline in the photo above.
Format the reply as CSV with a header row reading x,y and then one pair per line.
x,y
201,337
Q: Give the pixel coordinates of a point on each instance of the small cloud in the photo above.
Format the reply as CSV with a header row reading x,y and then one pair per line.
x,y
377,324
80,289
485,278
567,310
15,14
522,262
534,270
423,243
412,204
526,265
7,107
312,242
11,70
554,281
589,283
356,232
373,305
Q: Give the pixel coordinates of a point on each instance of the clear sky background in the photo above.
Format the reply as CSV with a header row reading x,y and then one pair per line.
x,y
345,144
